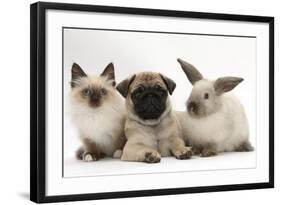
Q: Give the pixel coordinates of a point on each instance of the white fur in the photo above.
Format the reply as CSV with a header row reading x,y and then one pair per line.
x,y
88,158
227,127
103,125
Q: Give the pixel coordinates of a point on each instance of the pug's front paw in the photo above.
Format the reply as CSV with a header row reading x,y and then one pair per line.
x,y
184,153
196,150
208,152
152,157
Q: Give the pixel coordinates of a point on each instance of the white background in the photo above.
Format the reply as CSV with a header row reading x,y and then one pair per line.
x,y
55,19
14,107
132,52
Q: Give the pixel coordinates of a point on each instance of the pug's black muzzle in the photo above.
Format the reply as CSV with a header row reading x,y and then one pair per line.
x,y
149,103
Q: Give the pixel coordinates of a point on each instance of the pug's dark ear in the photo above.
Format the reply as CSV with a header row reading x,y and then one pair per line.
x,y
124,86
170,84
226,84
76,73
109,73
192,74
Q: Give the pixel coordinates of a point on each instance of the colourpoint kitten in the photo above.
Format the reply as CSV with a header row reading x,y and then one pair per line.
x,y
98,111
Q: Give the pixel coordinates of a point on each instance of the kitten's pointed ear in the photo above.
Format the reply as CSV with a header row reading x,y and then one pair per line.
x,y
124,86
109,73
170,84
76,73
190,71
226,84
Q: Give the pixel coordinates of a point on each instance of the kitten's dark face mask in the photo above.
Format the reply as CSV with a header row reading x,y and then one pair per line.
x,y
94,96
149,102
91,93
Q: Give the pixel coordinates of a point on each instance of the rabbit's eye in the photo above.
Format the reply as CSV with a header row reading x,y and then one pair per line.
x,y
206,96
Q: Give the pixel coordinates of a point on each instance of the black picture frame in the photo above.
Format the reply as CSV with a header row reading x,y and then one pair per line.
x,y
38,100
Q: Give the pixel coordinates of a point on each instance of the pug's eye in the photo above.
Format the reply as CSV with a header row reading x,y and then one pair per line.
x,y
103,91
162,92
138,93
86,92
140,90
206,96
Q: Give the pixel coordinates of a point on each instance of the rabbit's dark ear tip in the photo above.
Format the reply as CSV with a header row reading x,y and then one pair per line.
x,y
182,62
239,80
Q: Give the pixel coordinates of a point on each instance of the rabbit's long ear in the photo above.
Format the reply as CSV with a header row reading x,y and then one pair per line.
x,y
190,71
226,84
124,86
109,73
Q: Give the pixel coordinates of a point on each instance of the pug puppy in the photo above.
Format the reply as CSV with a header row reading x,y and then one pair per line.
x,y
152,129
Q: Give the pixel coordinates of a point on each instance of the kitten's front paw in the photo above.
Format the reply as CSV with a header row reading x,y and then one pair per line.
x,y
185,153
152,157
88,157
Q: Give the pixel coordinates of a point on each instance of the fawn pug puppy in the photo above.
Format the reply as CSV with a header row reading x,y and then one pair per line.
x,y
151,128
98,111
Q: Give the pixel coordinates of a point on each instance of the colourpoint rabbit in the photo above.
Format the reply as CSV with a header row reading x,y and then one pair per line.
x,y
215,120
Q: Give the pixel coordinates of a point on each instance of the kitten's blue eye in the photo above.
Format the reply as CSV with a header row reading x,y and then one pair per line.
x,y
103,91
86,92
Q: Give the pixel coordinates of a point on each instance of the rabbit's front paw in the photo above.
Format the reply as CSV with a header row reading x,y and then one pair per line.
x,y
244,147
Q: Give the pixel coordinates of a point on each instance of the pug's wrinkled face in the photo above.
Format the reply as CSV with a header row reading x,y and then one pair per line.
x,y
147,93
149,101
